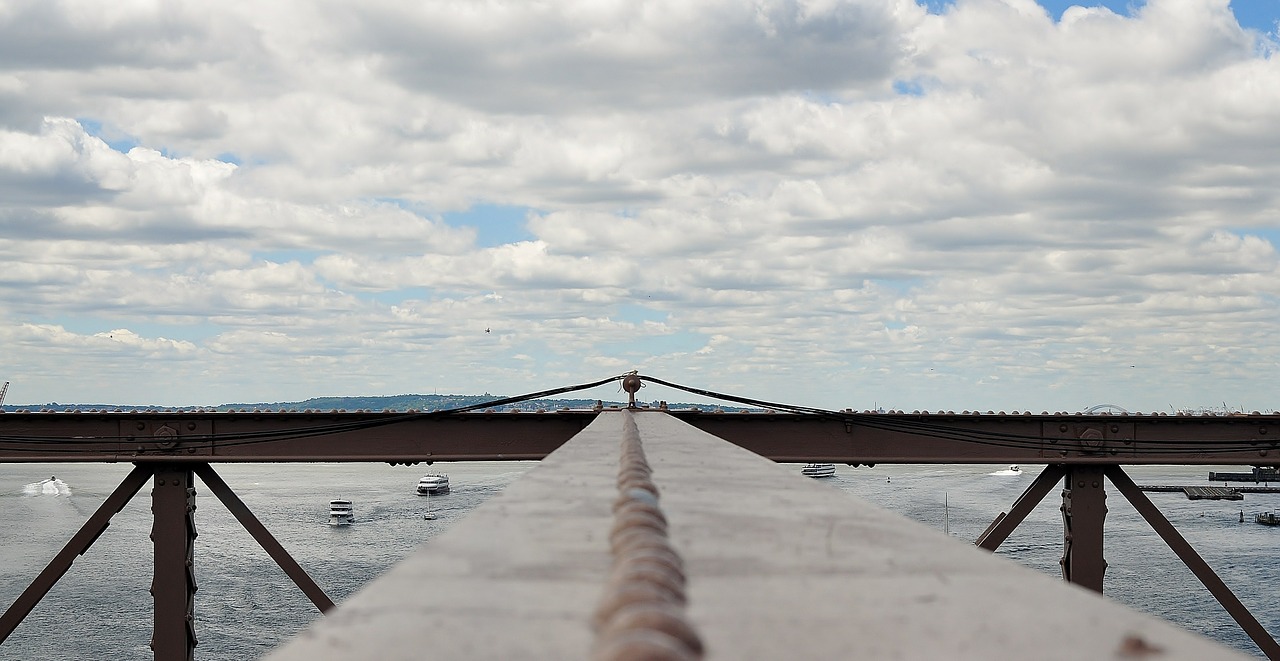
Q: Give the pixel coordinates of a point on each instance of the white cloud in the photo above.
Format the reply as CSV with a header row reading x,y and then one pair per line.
x,y
834,203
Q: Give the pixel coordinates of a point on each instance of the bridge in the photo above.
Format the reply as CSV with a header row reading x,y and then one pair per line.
x,y
643,530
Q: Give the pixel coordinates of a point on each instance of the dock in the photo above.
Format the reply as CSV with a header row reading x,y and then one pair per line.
x,y
1209,493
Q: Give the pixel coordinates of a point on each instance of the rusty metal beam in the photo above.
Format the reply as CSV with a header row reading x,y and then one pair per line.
x,y
1004,524
264,537
1084,510
80,542
1238,611
939,438
283,437
173,585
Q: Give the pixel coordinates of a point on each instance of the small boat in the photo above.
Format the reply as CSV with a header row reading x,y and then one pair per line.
x,y
818,470
340,513
433,483
1013,468
1267,519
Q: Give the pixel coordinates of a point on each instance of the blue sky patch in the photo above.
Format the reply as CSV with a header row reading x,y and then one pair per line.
x,y
936,6
1269,234
114,139
495,224
638,314
92,325
1259,15
908,87
1121,7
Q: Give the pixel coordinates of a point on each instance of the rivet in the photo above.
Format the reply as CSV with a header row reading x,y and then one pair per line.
x,y
160,482
1062,428
141,425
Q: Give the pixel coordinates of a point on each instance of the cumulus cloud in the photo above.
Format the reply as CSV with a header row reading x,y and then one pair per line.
x,y
839,202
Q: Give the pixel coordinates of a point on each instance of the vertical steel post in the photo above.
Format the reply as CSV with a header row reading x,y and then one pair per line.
x,y
173,585
1084,509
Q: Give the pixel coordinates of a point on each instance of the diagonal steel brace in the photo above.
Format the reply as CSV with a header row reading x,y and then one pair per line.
x,y
1003,525
263,537
1194,562
80,542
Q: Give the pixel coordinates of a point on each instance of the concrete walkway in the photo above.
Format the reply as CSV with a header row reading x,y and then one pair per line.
x,y
779,567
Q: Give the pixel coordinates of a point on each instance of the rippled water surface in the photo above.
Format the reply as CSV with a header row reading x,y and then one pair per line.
x,y
246,606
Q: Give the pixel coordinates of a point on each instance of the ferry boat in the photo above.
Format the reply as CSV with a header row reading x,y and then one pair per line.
x,y
340,513
433,484
818,470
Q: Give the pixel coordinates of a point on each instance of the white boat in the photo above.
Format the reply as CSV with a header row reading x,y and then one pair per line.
x,y
340,513
818,470
433,483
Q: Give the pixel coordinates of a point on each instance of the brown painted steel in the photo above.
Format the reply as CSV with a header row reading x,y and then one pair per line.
x,y
283,437
1004,524
173,584
80,542
1084,510
264,537
861,438
1194,562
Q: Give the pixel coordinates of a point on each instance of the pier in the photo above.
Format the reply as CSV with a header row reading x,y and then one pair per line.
x,y
729,570
1209,493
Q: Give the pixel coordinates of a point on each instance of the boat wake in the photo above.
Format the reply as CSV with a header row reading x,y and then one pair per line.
x,y
1012,470
50,487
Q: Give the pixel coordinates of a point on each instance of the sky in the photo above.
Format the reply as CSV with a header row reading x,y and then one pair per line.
x,y
979,204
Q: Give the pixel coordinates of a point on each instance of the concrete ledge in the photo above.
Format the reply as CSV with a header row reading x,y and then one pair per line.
x,y
779,566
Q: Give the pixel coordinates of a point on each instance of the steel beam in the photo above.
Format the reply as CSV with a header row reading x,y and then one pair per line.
x,y
1084,509
938,438
1238,611
173,586
80,542
1004,524
264,537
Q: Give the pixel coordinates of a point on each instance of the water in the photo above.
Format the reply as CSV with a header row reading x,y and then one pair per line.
x,y
246,606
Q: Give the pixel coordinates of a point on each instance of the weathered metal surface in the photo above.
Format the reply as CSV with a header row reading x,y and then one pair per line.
x,y
282,437
173,585
778,566
865,438
1084,510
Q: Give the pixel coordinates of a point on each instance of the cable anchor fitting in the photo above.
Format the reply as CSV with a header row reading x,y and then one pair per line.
x,y
632,384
